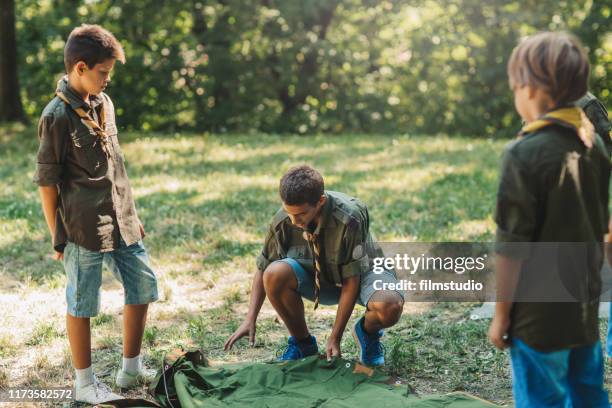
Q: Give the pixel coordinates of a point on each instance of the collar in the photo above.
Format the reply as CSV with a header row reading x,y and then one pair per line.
x,y
570,117
325,214
75,100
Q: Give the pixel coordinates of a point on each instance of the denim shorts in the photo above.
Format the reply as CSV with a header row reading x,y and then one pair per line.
x,y
129,264
330,295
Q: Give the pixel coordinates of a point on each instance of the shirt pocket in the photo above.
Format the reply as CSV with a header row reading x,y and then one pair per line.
x,y
88,151
298,252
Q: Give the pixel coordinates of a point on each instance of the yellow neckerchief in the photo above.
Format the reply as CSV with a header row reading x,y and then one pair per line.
x,y
572,117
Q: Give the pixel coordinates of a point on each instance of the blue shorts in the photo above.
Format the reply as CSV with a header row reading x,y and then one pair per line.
x,y
568,378
331,295
609,339
129,264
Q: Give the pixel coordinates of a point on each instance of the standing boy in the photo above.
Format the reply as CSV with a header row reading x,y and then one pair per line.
x,y
89,209
553,189
319,247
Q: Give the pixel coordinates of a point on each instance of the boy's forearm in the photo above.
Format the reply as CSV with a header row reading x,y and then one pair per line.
x,y
346,304
48,198
258,295
507,272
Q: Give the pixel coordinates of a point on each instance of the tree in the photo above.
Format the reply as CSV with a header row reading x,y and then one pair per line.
x,y
10,101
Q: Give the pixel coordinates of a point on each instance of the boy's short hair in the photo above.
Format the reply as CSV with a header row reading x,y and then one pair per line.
x,y
555,62
301,185
91,44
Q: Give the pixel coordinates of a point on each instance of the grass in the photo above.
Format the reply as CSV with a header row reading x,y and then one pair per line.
x,y
43,333
205,201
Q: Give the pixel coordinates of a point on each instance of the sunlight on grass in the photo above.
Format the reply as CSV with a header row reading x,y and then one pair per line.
x,y
206,201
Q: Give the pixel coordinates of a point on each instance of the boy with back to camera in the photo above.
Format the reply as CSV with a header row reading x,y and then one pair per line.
x,y
553,189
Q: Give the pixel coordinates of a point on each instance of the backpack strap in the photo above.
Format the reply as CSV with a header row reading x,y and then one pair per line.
x,y
597,114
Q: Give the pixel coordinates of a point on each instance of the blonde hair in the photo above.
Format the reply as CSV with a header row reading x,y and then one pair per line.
x,y
554,62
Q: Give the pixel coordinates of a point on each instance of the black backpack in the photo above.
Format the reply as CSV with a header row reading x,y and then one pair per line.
x,y
598,115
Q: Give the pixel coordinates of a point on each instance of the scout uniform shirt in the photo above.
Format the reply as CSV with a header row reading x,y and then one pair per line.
x,y
95,205
554,189
347,248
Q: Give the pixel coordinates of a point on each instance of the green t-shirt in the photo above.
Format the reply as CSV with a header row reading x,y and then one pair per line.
x,y
553,189
347,247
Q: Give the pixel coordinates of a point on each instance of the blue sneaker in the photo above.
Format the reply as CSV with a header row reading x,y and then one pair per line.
x,y
371,351
296,350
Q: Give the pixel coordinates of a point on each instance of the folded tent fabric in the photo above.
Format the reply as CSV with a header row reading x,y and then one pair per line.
x,y
311,382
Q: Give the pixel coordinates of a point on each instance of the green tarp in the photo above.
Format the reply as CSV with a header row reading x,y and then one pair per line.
x,y
311,382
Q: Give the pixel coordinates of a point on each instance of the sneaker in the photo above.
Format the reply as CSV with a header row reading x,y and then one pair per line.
x,y
126,379
95,393
296,350
371,352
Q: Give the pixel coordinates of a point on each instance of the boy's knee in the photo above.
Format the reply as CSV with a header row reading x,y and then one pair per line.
x,y
388,313
276,277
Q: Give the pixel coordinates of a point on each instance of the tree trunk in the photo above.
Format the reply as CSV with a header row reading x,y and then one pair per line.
x,y
10,100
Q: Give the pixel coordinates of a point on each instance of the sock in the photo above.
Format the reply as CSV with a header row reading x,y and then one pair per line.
x,y
132,365
84,377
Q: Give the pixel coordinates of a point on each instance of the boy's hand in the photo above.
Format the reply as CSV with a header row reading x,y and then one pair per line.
x,y
58,256
142,230
498,332
333,348
248,327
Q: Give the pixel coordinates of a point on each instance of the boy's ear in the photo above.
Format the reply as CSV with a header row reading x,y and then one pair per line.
x,y
322,200
80,67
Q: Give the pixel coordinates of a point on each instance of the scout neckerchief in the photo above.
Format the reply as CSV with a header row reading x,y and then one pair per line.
x,y
572,117
89,122
313,240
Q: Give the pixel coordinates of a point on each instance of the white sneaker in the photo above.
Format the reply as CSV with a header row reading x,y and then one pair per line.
x,y
95,393
127,379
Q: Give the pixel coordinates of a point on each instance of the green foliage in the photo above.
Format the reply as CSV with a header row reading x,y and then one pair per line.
x,y
314,66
